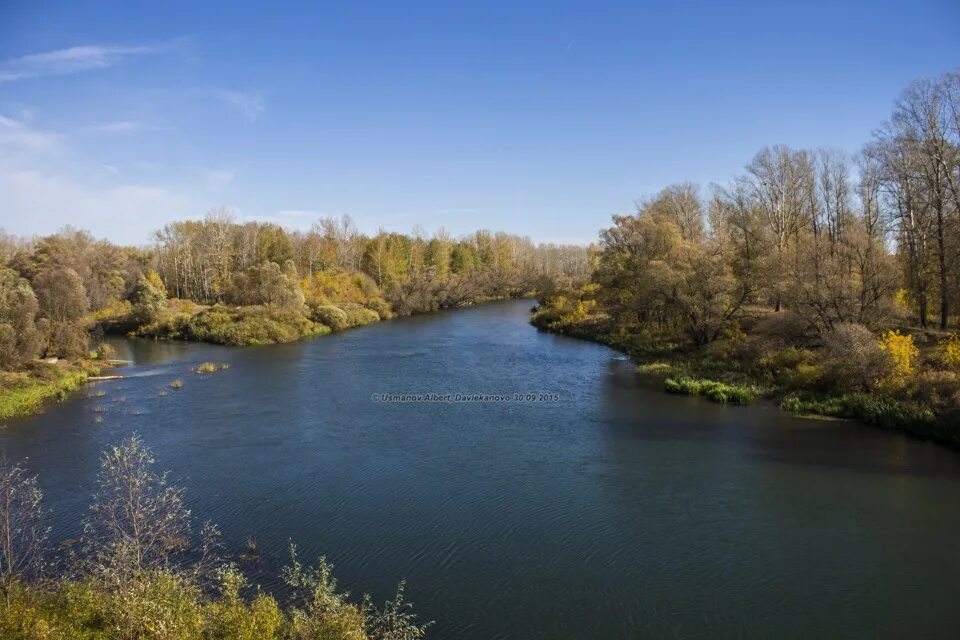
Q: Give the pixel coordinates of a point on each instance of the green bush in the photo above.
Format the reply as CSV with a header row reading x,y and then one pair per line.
x,y
220,324
711,389
380,307
169,326
545,317
359,315
655,369
331,315
248,326
344,316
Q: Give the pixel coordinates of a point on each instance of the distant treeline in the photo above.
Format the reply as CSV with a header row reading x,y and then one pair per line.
x,y
218,280
199,260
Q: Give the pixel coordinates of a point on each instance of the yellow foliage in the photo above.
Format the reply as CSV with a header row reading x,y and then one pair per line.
x,y
903,354
558,302
114,309
330,287
901,299
589,289
154,279
581,312
949,349
182,305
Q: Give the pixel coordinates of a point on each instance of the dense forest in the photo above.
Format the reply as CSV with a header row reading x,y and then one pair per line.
x,y
142,569
828,281
217,280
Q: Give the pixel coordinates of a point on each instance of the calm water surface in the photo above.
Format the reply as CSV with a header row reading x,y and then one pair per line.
x,y
615,512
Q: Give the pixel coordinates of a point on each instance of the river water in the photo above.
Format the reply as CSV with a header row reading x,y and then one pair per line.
x,y
604,509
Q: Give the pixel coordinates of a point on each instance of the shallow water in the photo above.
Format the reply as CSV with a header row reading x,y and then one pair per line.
x,y
616,511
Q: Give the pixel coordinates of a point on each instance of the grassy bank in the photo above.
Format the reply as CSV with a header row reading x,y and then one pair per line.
x,y
790,377
888,413
240,325
249,325
24,393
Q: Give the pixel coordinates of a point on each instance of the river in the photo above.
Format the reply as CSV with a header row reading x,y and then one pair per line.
x,y
604,509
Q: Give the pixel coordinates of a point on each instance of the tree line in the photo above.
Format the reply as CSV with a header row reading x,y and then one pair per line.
x,y
813,271
833,239
197,260
54,290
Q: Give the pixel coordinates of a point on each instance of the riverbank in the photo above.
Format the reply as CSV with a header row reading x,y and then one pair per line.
x,y
26,392
256,325
720,373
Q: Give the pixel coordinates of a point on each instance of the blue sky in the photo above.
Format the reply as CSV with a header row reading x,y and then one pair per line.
x,y
542,119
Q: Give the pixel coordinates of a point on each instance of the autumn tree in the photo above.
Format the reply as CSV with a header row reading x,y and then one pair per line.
x,y
268,284
63,304
149,297
19,338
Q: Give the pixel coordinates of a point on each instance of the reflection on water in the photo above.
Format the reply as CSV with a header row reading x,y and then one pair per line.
x,y
618,511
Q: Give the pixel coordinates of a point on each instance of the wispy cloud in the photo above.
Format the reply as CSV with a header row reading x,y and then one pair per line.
x,y
16,135
119,126
42,201
249,105
126,126
71,60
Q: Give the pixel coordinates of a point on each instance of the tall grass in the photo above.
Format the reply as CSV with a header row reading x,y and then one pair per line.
x,y
29,398
870,408
713,390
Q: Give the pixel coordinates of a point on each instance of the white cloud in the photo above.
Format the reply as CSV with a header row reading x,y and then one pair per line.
x,y
68,61
18,136
249,105
119,126
126,126
37,202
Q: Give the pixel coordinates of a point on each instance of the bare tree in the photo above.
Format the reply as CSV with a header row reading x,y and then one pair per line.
x,y
396,620
23,530
138,522
782,181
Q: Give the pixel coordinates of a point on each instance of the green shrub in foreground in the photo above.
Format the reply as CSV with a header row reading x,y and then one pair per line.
x,y
711,389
